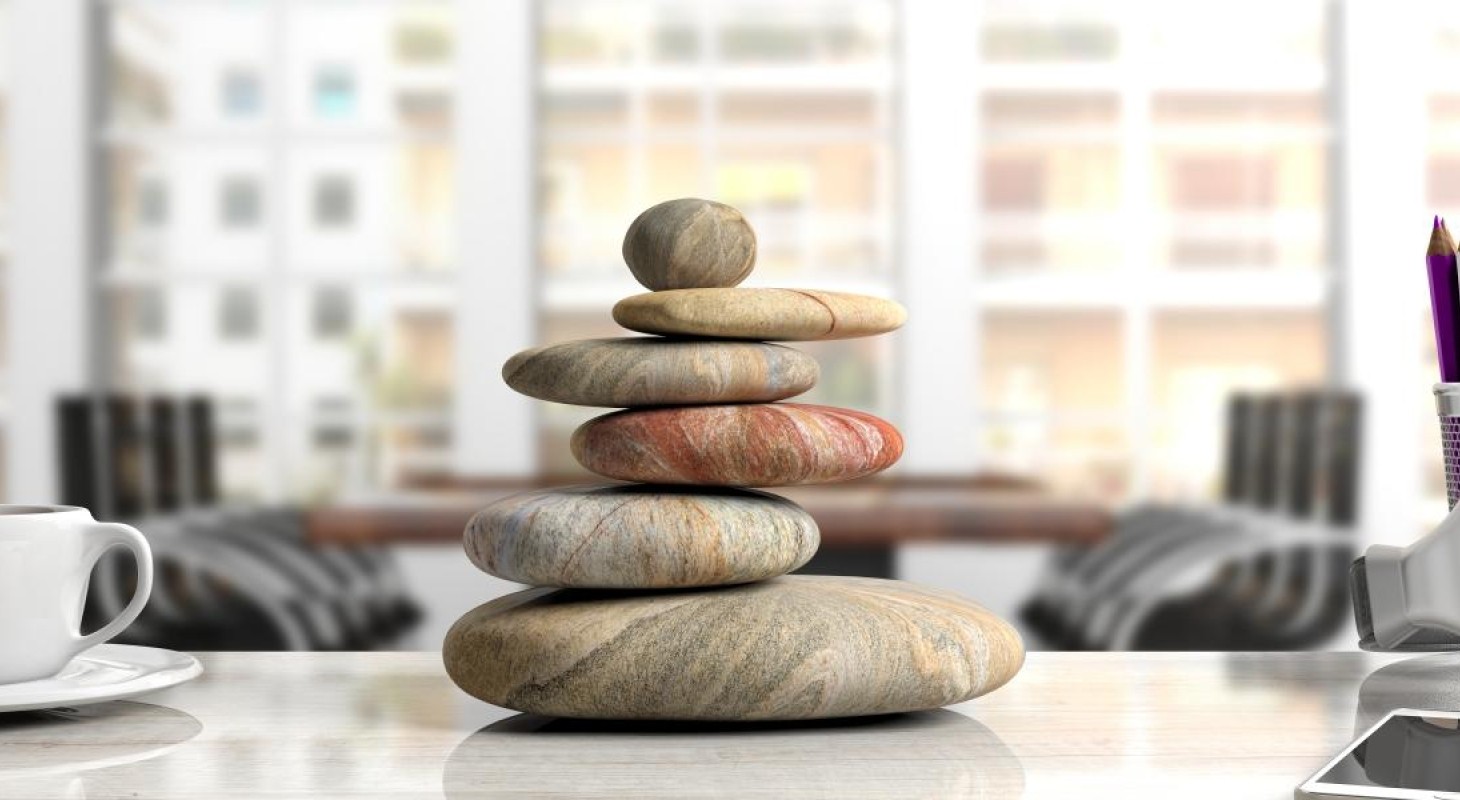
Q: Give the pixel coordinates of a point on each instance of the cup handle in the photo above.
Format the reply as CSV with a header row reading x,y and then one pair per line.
x,y
101,537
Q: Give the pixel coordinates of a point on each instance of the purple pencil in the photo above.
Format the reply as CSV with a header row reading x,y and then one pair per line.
x,y
1444,299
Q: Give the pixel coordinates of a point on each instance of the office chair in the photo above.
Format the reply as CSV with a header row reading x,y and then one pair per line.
x,y
1071,573
367,581
1249,491
1309,600
1274,474
1294,594
229,578
193,604
1106,592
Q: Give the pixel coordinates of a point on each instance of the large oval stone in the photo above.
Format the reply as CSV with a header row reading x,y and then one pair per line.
x,y
786,315
775,444
650,371
640,537
688,243
795,647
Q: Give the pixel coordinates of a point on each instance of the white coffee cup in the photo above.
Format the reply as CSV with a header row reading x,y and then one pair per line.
x,y
46,556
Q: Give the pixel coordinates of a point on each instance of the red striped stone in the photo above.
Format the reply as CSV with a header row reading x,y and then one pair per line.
x,y
772,444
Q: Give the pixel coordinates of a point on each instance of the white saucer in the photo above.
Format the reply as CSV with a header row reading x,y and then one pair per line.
x,y
105,672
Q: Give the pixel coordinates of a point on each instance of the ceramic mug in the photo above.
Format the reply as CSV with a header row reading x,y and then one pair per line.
x,y
46,556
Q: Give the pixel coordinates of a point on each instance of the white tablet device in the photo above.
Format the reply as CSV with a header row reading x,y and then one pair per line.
x,y
1408,754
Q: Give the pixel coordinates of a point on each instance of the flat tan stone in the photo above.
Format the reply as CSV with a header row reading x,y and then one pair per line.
x,y
689,243
640,537
785,315
795,647
651,371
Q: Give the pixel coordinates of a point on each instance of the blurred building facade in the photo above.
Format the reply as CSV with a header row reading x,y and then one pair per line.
x,y
280,225
1154,214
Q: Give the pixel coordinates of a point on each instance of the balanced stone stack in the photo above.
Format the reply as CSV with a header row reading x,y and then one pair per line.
x,y
669,597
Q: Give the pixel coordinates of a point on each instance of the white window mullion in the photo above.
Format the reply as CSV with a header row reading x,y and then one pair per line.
x,y
709,19
1381,286
937,147
50,311
274,289
495,430
636,95
1138,212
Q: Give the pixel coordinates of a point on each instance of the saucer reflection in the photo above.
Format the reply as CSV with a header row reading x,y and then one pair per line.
x,y
48,753
924,754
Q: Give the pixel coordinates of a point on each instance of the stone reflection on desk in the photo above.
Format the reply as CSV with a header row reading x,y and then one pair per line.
x,y
923,754
706,625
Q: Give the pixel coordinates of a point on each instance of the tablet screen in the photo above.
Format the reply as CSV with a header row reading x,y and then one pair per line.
x,y
1406,752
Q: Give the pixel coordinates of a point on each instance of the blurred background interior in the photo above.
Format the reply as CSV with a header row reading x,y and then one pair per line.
x,y
1169,357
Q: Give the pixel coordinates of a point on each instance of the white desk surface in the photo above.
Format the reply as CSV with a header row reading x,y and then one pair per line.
x,y
1071,725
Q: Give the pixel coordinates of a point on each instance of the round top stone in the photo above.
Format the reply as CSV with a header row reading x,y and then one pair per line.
x,y
690,244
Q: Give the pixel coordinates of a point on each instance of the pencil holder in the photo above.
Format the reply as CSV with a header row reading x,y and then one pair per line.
x,y
1447,404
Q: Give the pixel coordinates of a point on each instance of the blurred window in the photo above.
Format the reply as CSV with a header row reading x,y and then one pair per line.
x,y
332,313
334,201
425,110
1055,41
334,92
236,439
149,318
333,437
242,96
424,43
153,204
238,315
239,203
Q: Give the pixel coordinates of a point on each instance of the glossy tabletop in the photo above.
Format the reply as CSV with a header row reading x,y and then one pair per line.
x,y
1071,725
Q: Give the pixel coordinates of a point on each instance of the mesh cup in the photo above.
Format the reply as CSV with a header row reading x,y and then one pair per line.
x,y
1447,404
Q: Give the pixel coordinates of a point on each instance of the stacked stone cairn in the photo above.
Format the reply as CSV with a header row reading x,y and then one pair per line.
x,y
668,598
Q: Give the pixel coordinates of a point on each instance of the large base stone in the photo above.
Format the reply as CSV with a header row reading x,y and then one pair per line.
x,y
796,647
